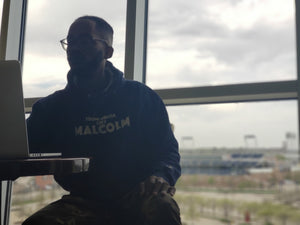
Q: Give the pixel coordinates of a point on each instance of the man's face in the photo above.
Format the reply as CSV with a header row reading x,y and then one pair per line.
x,y
84,53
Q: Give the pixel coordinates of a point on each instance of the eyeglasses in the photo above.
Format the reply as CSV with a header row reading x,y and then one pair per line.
x,y
83,42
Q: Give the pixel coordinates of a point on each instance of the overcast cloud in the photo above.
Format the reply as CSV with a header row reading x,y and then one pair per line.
x,y
47,23
209,42
226,41
190,43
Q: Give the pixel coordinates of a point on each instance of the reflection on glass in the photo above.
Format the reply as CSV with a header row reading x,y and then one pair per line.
x,y
239,162
45,65
213,42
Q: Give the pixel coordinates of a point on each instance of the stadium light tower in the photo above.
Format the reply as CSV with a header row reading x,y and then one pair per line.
x,y
187,142
250,138
290,140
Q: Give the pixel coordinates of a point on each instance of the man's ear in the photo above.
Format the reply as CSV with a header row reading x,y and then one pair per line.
x,y
109,52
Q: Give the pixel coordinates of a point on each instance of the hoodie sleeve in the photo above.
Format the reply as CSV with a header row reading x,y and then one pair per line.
x,y
39,130
160,137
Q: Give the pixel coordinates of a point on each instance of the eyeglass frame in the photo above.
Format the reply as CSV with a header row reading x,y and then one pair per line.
x,y
64,42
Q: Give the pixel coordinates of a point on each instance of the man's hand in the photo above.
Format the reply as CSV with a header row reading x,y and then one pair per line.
x,y
155,185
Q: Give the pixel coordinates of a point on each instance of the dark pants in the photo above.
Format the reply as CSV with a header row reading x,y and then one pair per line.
x,y
132,210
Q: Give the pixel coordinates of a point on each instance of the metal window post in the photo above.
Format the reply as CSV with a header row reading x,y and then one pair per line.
x,y
136,40
11,48
297,11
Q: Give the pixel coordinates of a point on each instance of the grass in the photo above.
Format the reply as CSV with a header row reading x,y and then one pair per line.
x,y
217,190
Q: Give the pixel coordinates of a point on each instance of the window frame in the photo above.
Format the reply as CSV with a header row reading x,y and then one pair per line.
x,y
12,42
11,48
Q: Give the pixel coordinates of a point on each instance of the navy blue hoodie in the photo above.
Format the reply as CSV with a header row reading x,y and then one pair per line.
x,y
124,129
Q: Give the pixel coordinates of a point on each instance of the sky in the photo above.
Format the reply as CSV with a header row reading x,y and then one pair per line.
x,y
215,42
210,42
190,43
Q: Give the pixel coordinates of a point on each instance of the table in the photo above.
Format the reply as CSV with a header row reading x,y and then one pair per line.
x,y
10,170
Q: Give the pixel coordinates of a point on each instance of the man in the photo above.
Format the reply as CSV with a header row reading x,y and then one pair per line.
x,y
122,125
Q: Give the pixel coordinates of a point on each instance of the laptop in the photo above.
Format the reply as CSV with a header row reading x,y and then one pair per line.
x,y
13,132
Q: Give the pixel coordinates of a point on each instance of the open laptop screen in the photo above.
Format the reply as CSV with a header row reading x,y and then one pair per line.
x,y
13,134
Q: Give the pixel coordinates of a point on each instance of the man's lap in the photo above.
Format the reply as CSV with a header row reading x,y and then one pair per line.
x,y
133,209
68,210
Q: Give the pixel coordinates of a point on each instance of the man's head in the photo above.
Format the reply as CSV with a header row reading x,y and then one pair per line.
x,y
89,42
102,26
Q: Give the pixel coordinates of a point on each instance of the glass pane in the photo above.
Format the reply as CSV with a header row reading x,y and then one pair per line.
x,y
239,162
44,70
226,125
1,6
215,42
45,65
29,194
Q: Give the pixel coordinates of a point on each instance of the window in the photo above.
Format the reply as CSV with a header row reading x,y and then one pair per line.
x,y
44,70
45,65
1,6
237,160
30,194
217,42
227,125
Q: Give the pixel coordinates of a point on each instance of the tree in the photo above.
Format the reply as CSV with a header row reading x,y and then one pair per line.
x,y
266,211
284,213
213,204
227,206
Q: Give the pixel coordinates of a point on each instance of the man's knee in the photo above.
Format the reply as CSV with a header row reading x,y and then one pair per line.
x,y
161,208
57,213
29,221
37,219
69,210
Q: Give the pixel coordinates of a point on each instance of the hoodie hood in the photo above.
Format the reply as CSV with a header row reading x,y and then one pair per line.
x,y
114,76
